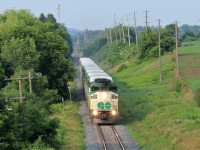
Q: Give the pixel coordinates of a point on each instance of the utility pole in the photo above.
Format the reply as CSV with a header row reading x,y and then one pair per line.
x,y
120,34
136,34
110,36
115,28
129,43
146,16
123,31
20,89
30,82
177,59
59,13
20,86
159,50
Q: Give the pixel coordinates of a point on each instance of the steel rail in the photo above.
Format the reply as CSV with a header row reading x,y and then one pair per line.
x,y
101,136
119,140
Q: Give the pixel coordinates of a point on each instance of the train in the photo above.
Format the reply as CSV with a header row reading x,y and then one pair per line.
x,y
101,92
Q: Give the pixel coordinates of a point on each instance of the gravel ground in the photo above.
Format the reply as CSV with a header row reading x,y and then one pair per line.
x,y
93,142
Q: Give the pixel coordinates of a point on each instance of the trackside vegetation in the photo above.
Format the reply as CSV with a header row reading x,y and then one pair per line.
x,y
158,115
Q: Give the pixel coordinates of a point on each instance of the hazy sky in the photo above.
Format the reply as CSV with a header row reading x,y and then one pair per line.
x,y
99,14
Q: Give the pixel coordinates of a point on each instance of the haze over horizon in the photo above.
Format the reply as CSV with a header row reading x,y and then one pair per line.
x,y
94,15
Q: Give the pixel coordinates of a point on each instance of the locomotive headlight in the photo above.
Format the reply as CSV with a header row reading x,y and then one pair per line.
x,y
95,112
94,96
113,96
104,95
114,112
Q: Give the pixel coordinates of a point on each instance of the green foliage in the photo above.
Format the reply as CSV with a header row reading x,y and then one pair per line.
x,y
42,47
6,70
95,47
122,68
21,53
178,86
197,96
149,46
38,145
147,43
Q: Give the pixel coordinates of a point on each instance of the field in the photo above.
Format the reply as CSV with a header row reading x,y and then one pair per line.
x,y
190,64
161,116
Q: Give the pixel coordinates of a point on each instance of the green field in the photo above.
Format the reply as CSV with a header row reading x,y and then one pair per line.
x,y
158,116
190,64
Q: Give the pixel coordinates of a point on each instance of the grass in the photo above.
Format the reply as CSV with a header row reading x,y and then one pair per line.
x,y
156,115
72,131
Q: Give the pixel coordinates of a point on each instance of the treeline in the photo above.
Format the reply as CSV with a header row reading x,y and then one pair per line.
x,y
112,40
43,47
113,44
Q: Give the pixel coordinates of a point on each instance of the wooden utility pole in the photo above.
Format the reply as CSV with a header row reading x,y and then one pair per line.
x,y
107,35
115,28
110,36
159,50
20,89
120,33
20,86
129,42
30,82
146,16
136,34
177,59
123,31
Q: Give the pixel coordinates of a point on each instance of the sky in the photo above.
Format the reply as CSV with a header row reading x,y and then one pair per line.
x,y
99,14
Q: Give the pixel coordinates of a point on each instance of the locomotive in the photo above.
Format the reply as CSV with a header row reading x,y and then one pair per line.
x,y
100,91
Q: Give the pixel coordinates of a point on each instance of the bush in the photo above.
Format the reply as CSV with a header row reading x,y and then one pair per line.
x,y
197,96
178,86
122,68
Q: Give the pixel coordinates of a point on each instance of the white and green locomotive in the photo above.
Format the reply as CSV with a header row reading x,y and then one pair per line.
x,y
100,91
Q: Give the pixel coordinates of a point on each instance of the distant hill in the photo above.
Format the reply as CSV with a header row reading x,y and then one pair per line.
x,y
73,32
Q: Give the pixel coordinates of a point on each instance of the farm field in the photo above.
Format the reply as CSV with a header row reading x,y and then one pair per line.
x,y
190,63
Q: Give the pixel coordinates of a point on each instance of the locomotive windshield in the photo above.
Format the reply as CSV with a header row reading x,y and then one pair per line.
x,y
94,89
113,89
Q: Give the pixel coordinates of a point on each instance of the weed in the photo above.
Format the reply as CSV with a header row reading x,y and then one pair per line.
x,y
197,96
122,68
178,86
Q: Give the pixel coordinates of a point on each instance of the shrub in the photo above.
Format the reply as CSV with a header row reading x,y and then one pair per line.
x,y
122,67
178,86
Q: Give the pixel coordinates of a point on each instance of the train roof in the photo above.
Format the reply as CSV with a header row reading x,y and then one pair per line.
x,y
97,78
94,72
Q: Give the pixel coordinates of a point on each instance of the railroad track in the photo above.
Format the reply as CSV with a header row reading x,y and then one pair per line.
x,y
109,137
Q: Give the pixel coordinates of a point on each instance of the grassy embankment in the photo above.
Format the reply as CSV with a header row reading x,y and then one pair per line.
x,y
157,116
72,130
